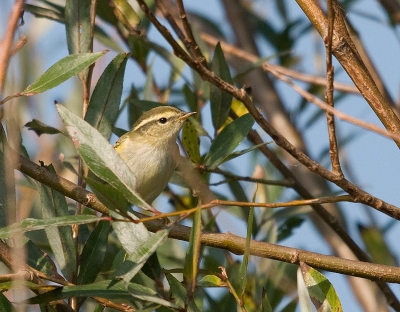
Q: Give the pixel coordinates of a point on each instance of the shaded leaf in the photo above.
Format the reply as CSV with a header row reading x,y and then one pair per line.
x,y
39,260
227,140
44,12
104,102
40,128
93,253
60,239
220,100
61,71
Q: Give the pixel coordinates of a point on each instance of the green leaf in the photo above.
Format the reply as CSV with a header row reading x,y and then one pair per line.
x,y
192,258
246,255
30,224
44,12
321,291
93,253
60,239
211,281
245,151
179,293
7,181
220,100
40,128
39,260
376,245
100,156
191,142
228,140
5,304
147,294
61,71
77,25
104,102
126,15
135,261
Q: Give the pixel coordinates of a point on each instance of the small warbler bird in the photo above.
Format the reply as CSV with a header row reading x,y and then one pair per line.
x,y
150,149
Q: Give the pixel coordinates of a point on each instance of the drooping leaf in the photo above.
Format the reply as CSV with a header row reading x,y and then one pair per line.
x,y
44,12
39,260
30,224
100,156
104,102
61,71
321,291
227,140
220,100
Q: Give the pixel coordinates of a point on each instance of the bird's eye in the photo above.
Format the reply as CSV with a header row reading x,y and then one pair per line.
x,y
162,120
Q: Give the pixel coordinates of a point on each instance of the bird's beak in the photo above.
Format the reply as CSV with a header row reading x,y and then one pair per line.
x,y
186,116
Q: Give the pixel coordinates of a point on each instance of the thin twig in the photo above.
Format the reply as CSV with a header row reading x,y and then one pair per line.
x,y
251,58
333,145
6,45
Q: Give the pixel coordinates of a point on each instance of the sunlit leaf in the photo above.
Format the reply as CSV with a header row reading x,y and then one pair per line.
x,y
61,71
322,293
126,15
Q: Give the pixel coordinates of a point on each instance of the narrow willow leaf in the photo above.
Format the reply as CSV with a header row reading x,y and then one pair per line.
x,y
77,25
191,142
220,100
135,261
105,289
246,255
126,15
39,260
40,128
304,299
44,12
227,140
192,258
93,253
61,71
30,224
376,245
242,152
211,281
149,295
60,239
104,102
179,294
100,156
7,183
321,291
